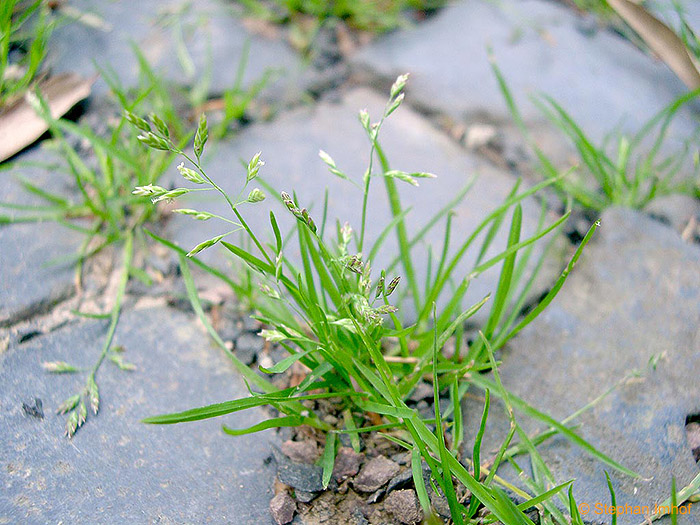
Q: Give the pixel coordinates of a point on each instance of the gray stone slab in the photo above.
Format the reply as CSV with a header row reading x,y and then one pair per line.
x,y
34,272
209,32
635,294
601,79
290,148
116,469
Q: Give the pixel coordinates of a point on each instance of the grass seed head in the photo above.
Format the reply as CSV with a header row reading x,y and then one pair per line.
x,y
137,121
392,285
149,191
152,140
190,174
256,195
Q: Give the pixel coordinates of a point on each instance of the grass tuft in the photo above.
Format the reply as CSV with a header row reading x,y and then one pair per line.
x,y
339,319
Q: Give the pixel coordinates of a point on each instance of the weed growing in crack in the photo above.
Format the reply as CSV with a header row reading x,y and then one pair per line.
x,y
107,212
365,15
24,32
638,171
343,322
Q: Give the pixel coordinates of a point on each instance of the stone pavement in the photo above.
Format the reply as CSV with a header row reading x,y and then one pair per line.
x,y
634,294
116,469
604,81
35,267
182,41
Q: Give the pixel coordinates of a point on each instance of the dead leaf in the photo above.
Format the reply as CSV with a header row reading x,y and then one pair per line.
x,y
20,126
661,40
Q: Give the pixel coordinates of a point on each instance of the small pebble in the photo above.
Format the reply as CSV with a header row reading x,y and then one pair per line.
x,y
347,463
692,432
247,348
304,497
403,505
400,481
375,474
301,451
282,507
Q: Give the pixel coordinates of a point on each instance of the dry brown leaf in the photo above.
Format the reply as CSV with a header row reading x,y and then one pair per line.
x,y
20,126
661,40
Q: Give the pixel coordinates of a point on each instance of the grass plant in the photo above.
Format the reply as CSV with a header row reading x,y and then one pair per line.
x,y
25,28
339,319
106,211
631,172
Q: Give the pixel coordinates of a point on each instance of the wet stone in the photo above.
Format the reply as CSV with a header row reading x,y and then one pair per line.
x,y
375,473
290,147
533,42
282,508
632,299
117,469
403,505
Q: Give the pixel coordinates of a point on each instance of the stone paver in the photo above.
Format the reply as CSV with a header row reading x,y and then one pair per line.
x,y
634,294
600,78
290,148
116,469
34,271
209,33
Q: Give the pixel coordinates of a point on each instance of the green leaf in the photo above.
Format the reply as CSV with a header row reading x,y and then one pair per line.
x,y
328,458
448,484
209,411
276,231
277,422
613,502
285,363
419,482
524,407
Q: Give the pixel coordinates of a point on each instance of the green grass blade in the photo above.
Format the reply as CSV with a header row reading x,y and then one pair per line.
x,y
197,306
277,422
328,459
552,293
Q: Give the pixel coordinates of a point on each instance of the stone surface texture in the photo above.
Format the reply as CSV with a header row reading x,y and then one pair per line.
x,y
117,469
183,42
604,81
635,294
34,272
